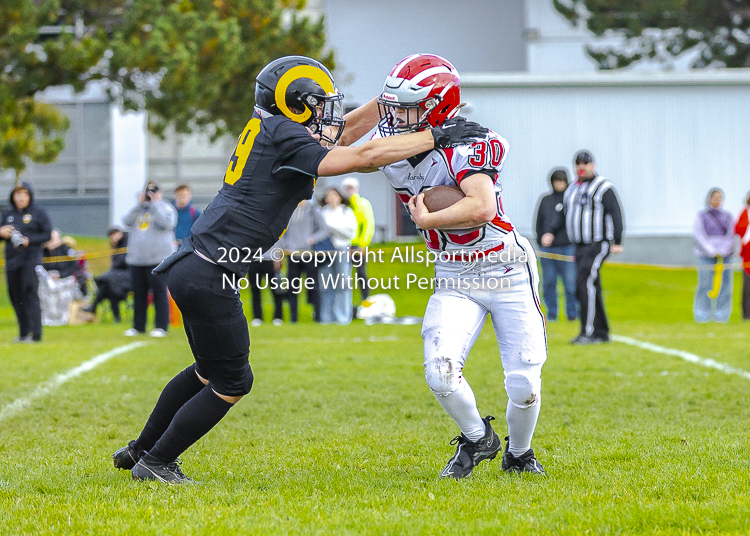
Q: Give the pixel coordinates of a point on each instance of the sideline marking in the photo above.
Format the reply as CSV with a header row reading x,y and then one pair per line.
x,y
687,356
50,385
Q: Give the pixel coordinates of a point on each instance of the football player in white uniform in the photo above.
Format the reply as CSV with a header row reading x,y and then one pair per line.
x,y
485,267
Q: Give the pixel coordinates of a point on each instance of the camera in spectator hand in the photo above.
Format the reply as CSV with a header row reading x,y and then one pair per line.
x,y
17,239
149,194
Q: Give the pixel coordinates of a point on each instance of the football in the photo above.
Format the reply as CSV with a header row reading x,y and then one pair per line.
x,y
440,197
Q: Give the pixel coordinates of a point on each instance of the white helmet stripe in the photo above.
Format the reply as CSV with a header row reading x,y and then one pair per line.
x,y
429,72
445,89
406,60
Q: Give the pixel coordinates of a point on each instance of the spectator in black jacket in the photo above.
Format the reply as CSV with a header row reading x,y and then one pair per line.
x,y
113,285
550,221
25,227
60,260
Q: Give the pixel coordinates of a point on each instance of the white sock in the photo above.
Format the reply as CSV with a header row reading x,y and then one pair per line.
x,y
462,406
521,424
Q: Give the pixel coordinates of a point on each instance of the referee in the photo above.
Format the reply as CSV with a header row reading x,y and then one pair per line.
x,y
593,219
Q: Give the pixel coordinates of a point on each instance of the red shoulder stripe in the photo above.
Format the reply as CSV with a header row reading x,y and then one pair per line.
x,y
462,175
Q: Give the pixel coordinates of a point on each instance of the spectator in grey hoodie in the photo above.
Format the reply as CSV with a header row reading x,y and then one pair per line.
x,y
150,241
306,227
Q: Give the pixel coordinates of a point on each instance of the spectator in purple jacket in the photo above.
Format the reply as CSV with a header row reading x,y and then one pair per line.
x,y
713,236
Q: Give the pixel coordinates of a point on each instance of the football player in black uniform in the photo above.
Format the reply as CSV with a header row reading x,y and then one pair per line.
x,y
289,141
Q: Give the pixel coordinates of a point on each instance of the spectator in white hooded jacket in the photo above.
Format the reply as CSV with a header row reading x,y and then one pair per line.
x,y
335,290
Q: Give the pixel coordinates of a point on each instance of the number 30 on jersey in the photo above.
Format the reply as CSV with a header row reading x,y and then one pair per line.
x,y
487,153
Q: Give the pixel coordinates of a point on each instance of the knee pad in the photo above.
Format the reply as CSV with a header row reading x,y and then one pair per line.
x,y
235,386
443,375
443,363
249,378
244,383
523,391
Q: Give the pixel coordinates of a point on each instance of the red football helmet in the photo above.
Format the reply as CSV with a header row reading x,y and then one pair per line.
x,y
425,83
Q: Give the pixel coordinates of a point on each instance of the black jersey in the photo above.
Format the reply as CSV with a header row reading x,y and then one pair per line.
x,y
273,168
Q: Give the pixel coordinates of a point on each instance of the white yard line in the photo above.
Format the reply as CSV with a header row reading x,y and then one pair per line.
x,y
687,356
47,387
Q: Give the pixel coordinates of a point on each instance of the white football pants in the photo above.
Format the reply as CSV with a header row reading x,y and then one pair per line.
x,y
455,314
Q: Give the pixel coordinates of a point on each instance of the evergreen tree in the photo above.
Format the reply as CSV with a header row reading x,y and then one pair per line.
x,y
663,29
188,63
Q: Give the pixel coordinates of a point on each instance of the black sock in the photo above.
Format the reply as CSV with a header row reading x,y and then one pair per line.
x,y
175,394
193,421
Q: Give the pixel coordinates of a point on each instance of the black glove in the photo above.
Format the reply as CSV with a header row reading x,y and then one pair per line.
x,y
457,131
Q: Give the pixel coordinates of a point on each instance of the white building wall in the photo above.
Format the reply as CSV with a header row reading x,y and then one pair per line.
x,y
663,139
129,172
368,38
552,44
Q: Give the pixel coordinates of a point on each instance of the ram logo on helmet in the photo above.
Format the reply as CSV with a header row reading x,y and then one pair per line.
x,y
303,90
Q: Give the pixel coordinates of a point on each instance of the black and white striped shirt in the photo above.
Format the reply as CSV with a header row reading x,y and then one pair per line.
x,y
592,212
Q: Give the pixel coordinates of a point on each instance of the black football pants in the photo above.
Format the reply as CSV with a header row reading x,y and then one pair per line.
x,y
23,290
589,260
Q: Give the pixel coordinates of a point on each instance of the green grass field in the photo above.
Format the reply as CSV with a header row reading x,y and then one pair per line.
x,y
341,435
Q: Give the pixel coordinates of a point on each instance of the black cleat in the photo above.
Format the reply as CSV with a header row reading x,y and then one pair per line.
x,y
469,454
149,468
127,457
525,463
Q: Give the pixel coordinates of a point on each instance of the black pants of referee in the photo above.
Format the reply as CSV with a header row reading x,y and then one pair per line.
x,y
23,290
589,260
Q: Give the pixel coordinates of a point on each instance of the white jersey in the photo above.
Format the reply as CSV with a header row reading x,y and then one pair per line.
x,y
448,167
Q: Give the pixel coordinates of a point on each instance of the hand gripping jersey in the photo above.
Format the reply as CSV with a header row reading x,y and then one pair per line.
x,y
450,167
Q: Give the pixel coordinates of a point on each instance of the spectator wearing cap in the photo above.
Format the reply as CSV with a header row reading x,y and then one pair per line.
x,y
186,212
555,244
593,220
114,284
25,227
151,240
362,209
